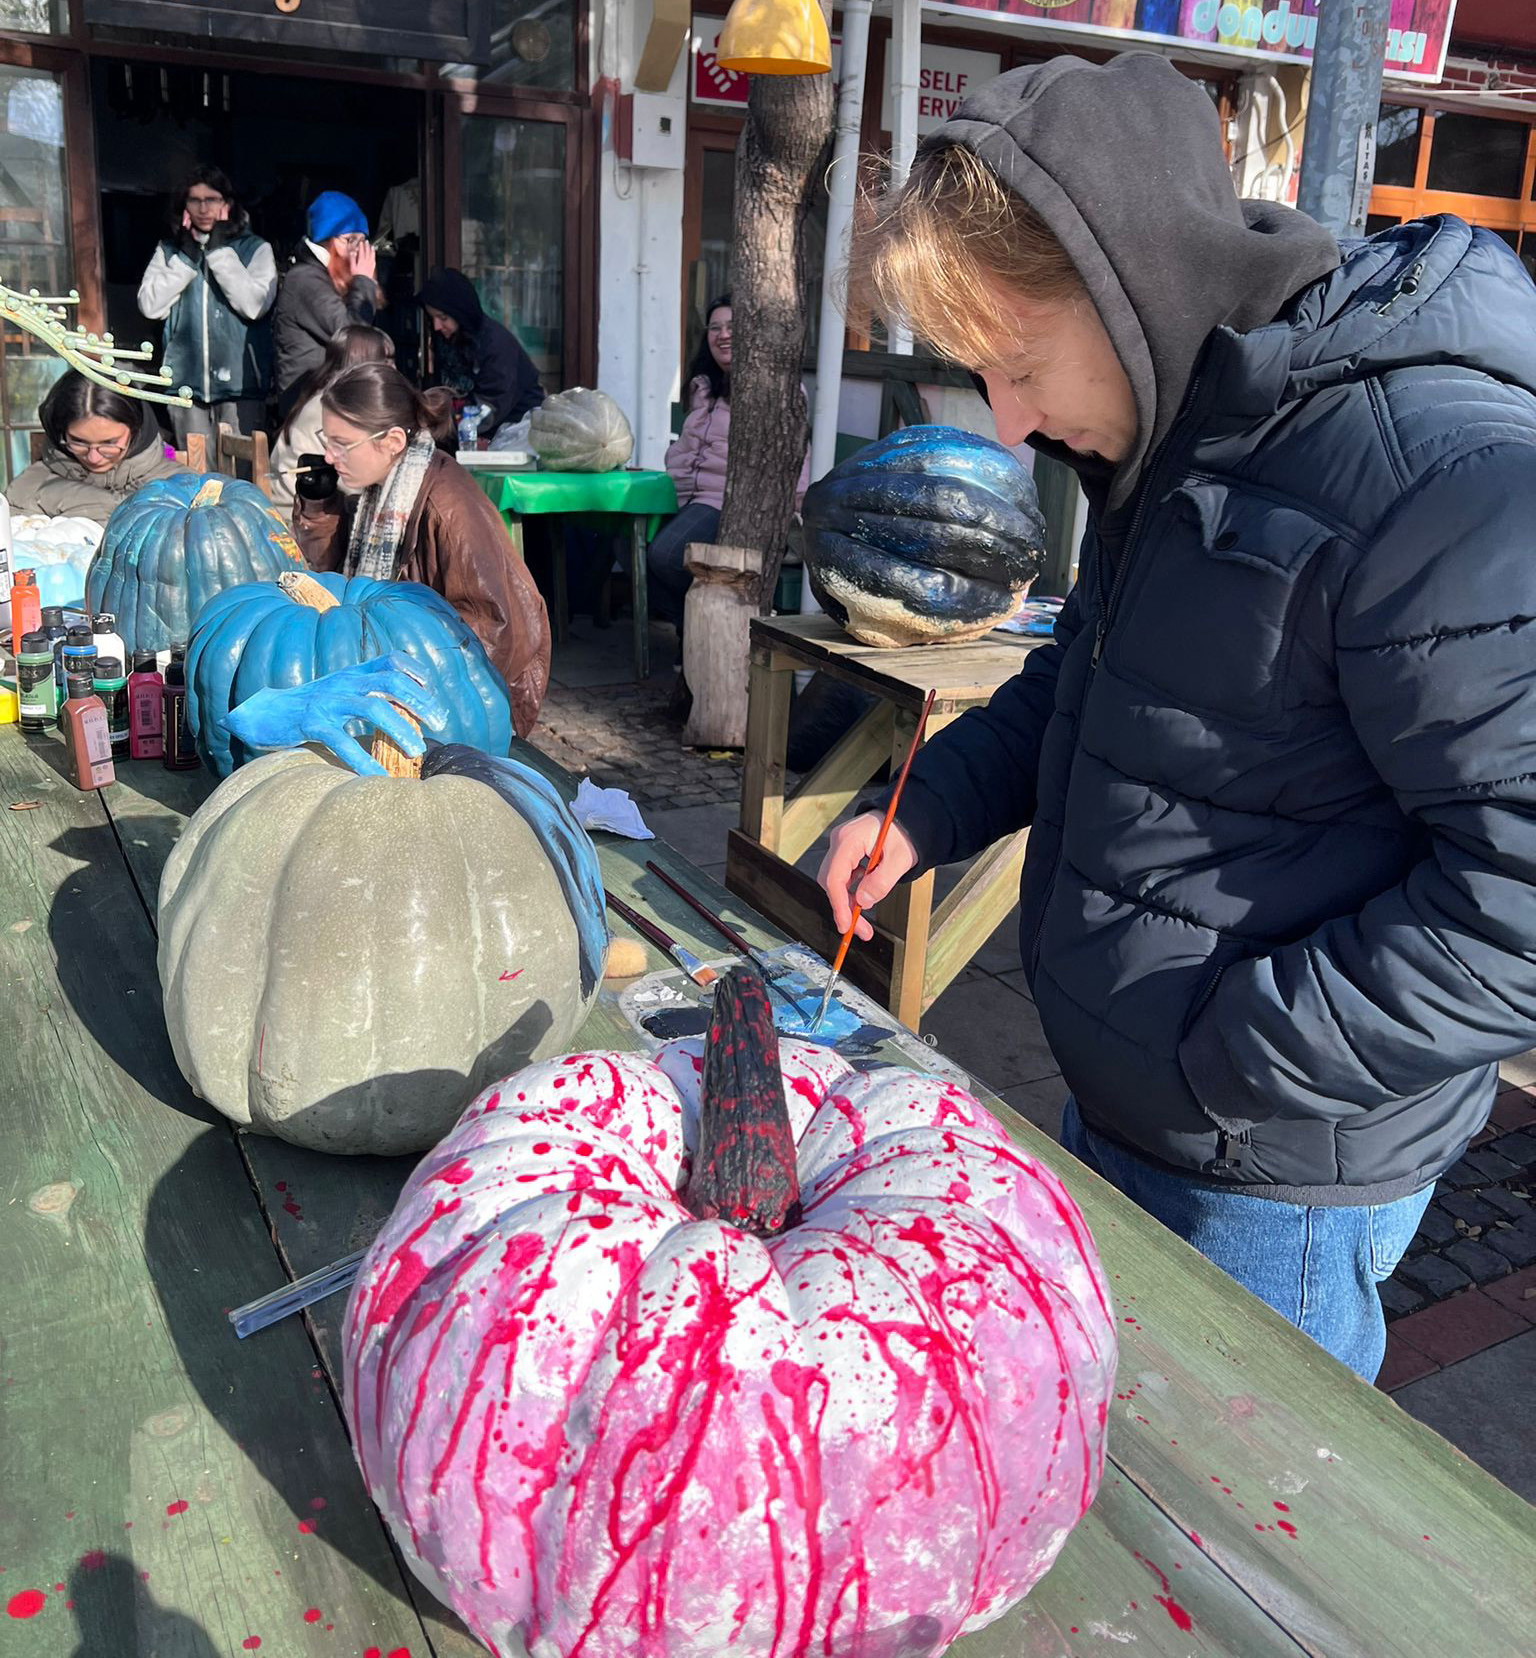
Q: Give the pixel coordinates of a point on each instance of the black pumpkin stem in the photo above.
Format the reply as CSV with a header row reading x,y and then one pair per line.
x,y
744,1167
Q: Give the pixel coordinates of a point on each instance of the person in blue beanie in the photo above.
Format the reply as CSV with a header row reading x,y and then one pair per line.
x,y
330,283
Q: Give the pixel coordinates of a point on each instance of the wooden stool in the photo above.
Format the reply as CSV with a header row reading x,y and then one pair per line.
x,y
917,950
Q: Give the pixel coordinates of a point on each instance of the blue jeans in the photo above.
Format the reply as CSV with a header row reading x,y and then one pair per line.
x,y
667,576
1317,1265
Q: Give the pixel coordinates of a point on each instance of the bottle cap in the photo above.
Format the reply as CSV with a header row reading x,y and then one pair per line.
x,y
175,670
79,685
81,636
105,621
144,662
25,578
53,616
35,644
108,667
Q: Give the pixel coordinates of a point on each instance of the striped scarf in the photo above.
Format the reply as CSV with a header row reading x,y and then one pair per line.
x,y
383,511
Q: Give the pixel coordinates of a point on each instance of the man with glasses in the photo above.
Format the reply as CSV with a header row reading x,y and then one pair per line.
x,y
331,283
213,282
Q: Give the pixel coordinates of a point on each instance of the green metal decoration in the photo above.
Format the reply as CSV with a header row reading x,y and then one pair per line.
x,y
97,356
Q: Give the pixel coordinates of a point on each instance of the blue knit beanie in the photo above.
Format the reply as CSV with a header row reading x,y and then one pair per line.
x,y
333,214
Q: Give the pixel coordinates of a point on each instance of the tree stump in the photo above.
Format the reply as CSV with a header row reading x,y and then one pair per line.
x,y
717,618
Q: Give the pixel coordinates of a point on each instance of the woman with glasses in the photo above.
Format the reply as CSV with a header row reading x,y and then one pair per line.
x,y
102,446
330,283
384,501
213,281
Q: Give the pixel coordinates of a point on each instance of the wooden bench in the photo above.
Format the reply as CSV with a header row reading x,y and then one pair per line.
x,y
917,949
169,1489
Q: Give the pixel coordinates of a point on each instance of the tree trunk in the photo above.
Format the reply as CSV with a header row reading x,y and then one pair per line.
x,y
781,154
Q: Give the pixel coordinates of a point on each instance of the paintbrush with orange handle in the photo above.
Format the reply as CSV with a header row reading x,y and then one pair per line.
x,y
874,860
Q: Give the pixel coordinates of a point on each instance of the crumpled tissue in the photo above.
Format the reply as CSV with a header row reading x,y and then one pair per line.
x,y
610,809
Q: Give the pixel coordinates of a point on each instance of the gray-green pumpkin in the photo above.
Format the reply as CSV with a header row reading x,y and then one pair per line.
x,y
580,430
347,961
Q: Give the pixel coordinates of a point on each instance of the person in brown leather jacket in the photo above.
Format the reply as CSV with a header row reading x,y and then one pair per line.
x,y
411,513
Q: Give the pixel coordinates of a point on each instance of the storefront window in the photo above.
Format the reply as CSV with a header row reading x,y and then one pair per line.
x,y
32,17
533,44
1397,145
34,242
1474,156
513,230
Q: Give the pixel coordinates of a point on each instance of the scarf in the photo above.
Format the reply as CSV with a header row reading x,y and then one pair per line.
x,y
383,511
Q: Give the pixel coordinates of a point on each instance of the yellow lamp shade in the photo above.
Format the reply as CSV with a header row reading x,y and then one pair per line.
x,y
775,37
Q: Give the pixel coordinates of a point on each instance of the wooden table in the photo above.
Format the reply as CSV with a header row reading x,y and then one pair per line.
x,y
171,1492
642,499
917,950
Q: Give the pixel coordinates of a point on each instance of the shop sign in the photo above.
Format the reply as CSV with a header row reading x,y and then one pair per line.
x,y
708,83
1283,30
945,74
442,31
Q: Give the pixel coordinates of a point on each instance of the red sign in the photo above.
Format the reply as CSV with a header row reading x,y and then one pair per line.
x,y
1419,32
711,84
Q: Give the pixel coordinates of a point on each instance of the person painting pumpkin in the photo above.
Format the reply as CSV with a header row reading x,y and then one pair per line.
x,y
1278,909
384,501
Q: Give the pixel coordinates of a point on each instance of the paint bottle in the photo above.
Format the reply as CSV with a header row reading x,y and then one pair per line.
x,y
8,701
79,657
36,693
26,607
86,737
110,683
180,751
54,626
109,642
146,731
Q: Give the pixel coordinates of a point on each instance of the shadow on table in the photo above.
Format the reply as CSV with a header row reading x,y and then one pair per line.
x,y
104,949
116,1614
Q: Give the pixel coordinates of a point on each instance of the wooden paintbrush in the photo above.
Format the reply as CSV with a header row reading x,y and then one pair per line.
x,y
695,969
874,860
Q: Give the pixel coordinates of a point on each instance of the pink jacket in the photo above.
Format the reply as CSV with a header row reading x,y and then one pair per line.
x,y
697,459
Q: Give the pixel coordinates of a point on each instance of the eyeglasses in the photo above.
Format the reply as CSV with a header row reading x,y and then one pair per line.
x,y
107,451
345,449
205,201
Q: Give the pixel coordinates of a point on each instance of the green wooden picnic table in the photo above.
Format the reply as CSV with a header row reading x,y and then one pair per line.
x,y
171,1491
633,496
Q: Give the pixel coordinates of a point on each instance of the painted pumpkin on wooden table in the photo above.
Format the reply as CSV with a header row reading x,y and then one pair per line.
x,y
580,430
347,961
730,1353
930,536
174,544
306,625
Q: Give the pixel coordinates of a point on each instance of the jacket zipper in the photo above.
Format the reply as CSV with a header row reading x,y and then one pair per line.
x,y
1101,627
1409,285
202,277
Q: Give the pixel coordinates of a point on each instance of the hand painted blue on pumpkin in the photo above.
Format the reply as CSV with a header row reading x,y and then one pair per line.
x,y
176,543
568,846
940,522
256,637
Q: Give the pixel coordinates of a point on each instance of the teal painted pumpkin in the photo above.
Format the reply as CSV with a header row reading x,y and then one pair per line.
x,y
580,431
174,544
932,535
258,636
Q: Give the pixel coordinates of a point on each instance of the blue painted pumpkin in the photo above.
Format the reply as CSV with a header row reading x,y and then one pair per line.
x,y
931,535
257,636
174,544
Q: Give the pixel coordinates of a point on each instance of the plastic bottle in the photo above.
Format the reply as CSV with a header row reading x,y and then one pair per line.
x,y
36,692
146,716
26,608
110,683
180,751
54,627
86,736
109,642
469,426
78,655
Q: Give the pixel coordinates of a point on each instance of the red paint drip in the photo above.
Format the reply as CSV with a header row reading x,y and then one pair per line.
x,y
251,1642
177,1507
508,977
456,1173
93,1561
305,1527
313,1614
317,1503
1285,1508
1286,1527
27,1604
1175,1611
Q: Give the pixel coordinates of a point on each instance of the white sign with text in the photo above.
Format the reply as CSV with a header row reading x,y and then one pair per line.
x,y
945,75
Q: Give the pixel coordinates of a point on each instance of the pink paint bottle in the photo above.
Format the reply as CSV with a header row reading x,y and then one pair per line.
x,y
146,727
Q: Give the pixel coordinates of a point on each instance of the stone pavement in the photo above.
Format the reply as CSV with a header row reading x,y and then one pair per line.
x,y
1461,1344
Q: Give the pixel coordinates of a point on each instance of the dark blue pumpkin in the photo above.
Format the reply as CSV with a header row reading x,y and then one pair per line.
x,y
932,534
254,637
174,544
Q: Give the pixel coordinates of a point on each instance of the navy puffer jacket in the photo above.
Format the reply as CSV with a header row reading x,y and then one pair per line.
x,y
1279,904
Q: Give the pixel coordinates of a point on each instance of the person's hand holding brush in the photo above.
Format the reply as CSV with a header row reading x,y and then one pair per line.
x,y
847,881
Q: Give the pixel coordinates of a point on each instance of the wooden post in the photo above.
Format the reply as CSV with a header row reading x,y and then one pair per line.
x,y
717,617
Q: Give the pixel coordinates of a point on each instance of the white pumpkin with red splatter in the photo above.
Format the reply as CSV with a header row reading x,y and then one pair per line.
x,y
856,1415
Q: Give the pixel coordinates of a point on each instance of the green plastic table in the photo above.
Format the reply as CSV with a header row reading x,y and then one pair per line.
x,y
644,498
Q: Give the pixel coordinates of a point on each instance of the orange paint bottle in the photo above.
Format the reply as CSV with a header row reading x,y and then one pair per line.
x,y
26,607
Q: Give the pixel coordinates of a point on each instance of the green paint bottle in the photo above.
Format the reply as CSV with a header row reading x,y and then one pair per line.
x,y
110,683
36,690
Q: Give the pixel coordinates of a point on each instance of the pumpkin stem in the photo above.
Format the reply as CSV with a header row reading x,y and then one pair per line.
x,y
744,1167
304,589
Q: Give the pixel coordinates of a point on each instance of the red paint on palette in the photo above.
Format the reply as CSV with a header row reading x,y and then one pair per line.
x,y
177,1507
27,1604
313,1614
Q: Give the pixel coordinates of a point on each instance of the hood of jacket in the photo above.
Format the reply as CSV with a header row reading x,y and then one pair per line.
x,y
1164,247
452,293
